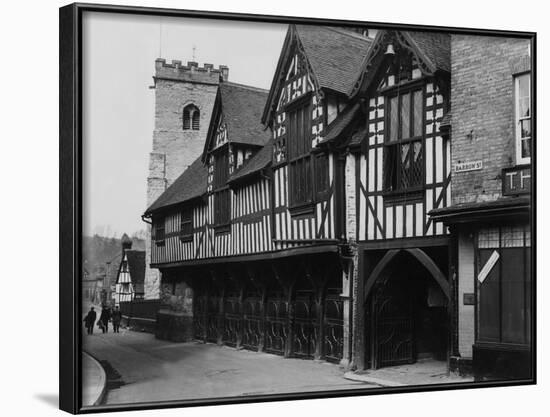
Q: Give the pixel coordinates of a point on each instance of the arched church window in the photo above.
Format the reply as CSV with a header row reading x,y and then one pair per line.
x,y
191,117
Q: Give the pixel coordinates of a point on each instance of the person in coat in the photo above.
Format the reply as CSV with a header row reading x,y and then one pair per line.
x,y
116,318
89,321
104,319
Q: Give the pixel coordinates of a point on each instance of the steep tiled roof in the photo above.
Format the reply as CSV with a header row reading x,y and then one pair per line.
x,y
242,108
258,162
136,265
342,121
189,185
335,55
436,48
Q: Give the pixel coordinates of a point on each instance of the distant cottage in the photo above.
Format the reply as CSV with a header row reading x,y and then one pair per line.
x,y
131,273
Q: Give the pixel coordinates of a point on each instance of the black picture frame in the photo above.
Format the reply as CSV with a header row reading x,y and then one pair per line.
x,y
70,205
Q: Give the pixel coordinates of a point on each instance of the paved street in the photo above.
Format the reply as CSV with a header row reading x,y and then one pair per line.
x,y
142,368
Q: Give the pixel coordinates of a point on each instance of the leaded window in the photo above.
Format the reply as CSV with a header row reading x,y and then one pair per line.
x,y
299,154
159,231
403,153
222,196
186,224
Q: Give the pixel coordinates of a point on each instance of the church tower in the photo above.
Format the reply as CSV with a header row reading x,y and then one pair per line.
x,y
184,98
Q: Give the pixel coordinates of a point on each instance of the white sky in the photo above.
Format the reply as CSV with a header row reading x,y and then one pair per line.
x,y
119,53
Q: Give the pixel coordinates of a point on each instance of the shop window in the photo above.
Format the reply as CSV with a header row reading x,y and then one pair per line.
x,y
504,293
403,151
523,118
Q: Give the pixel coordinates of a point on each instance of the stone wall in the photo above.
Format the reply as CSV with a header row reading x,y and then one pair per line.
x,y
174,149
482,106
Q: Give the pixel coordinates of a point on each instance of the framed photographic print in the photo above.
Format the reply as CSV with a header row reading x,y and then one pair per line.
x,y
258,208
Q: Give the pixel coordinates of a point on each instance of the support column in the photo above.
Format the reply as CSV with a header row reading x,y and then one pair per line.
x,y
359,338
349,270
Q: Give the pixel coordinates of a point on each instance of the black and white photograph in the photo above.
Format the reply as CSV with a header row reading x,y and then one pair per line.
x,y
282,208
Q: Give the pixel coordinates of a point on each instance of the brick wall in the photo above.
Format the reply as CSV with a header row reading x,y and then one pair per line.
x,y
174,149
482,105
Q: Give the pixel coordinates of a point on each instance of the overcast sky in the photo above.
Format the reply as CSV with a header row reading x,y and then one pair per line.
x,y
119,53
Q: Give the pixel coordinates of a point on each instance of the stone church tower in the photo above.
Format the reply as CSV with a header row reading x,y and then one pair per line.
x,y
184,98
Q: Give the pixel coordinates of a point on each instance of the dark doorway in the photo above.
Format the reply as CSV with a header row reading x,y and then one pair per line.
x,y
408,314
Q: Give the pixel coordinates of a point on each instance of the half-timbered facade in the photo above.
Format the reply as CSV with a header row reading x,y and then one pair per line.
x,y
248,237
315,223
397,169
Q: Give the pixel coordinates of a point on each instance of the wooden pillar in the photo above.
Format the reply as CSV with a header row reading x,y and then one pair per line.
x,y
349,270
359,337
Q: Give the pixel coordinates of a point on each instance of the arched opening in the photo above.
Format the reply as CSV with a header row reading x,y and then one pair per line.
x,y
407,297
191,117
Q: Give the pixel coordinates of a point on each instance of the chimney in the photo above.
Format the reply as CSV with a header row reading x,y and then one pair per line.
x,y
225,72
126,242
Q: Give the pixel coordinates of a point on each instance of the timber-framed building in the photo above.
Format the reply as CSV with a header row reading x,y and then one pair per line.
x,y
315,223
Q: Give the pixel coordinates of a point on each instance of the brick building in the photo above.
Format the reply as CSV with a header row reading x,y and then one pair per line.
x,y
490,215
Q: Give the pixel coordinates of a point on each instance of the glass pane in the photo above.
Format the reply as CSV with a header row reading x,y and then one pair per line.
x,y
418,119
488,238
526,148
513,295
416,176
393,118
488,301
523,86
524,105
525,128
405,116
307,129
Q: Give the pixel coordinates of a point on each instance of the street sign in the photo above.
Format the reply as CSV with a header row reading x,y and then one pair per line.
x,y
468,166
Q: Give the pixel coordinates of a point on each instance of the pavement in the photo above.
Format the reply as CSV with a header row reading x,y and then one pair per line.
x,y
423,372
94,381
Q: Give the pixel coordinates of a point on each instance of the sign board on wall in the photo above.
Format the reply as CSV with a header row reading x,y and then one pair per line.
x,y
488,266
468,166
516,180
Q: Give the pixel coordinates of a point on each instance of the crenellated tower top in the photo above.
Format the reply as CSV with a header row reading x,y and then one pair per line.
x,y
191,72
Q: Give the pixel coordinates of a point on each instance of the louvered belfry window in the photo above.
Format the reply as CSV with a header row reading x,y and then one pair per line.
x,y
191,117
222,196
299,153
403,153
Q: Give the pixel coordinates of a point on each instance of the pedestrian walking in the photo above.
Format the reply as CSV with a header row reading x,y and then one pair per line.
x,y
116,318
104,319
89,320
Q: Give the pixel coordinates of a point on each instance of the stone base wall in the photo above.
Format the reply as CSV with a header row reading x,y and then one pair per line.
x,y
174,326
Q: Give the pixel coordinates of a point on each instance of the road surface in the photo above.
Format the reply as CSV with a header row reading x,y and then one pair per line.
x,y
142,368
